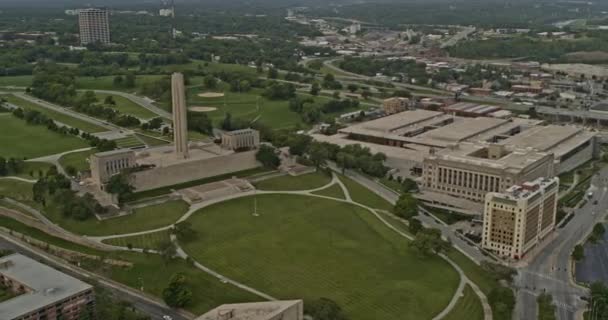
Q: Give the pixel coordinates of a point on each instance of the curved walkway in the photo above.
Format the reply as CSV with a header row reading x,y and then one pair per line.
x,y
464,280
19,179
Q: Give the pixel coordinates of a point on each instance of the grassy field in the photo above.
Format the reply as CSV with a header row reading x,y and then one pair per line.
x,y
364,196
142,219
42,236
57,116
77,160
19,81
468,307
246,106
298,247
107,83
32,170
20,140
290,183
148,241
334,191
126,106
154,275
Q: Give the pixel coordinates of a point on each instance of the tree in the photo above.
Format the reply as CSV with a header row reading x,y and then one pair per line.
x,y
273,73
167,250
579,253
352,87
120,186
366,94
409,185
315,88
130,80
70,170
177,294
502,301
324,309
414,225
3,168
318,154
402,93
227,122
109,100
210,82
428,241
184,231
298,144
118,80
268,157
407,206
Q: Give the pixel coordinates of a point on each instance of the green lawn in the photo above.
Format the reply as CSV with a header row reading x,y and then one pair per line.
x,y
42,236
126,106
308,248
17,190
290,183
364,196
31,169
468,307
19,81
142,219
246,106
148,241
77,160
21,140
55,115
107,83
154,275
334,191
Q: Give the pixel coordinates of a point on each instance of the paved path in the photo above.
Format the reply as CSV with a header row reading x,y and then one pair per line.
x,y
19,179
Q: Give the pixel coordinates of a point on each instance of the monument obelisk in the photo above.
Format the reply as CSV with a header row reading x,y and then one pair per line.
x,y
180,122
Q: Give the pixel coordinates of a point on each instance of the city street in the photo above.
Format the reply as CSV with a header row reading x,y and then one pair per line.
x,y
550,271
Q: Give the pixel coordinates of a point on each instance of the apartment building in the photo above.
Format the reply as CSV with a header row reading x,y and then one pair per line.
x,y
41,292
395,105
94,26
519,218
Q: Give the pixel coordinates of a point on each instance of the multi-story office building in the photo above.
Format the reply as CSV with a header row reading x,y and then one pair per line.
x,y
41,292
519,218
94,26
241,139
470,170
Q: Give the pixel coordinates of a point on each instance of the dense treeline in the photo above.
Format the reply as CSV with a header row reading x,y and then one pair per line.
x,y
409,69
530,48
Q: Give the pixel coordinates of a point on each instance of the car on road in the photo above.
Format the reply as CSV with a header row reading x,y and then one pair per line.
x,y
166,317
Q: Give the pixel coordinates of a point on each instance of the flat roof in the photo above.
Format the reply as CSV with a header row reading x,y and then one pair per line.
x,y
112,152
47,285
164,156
515,159
396,121
252,311
463,129
551,138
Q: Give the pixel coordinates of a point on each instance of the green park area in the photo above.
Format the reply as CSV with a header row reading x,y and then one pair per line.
x,y
55,115
147,241
142,219
22,140
298,246
364,196
126,106
468,307
77,160
307,181
333,191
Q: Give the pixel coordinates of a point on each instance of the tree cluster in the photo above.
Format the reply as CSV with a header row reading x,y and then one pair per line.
x,y
11,167
177,294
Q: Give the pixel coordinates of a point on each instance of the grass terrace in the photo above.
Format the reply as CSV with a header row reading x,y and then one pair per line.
x,y
468,307
148,240
126,106
334,191
77,160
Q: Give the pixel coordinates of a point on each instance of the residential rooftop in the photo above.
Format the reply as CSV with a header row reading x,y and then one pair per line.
x,y
46,285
